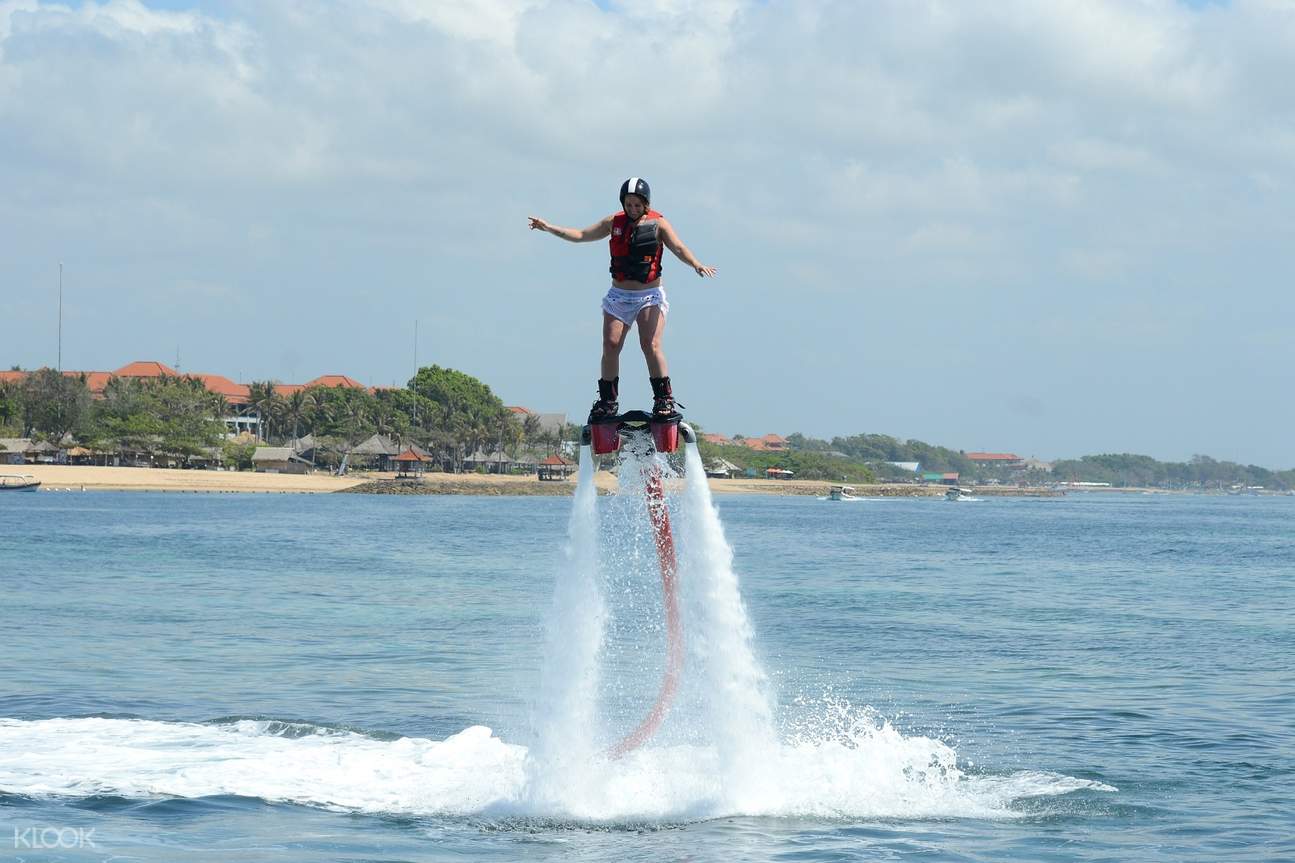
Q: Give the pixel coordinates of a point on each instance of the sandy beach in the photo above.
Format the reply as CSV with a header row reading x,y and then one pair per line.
x,y
77,478
59,477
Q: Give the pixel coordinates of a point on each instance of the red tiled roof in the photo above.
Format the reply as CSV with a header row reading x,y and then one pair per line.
x,y
95,381
711,437
993,456
767,443
335,381
520,410
145,369
556,460
234,393
410,455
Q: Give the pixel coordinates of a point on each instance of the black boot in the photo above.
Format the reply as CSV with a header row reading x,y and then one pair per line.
x,y
663,398
606,407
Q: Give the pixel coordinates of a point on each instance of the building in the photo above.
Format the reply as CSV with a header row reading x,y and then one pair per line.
x,y
768,443
722,469
305,447
495,462
551,424
717,439
242,415
995,459
555,467
278,459
15,450
374,454
411,463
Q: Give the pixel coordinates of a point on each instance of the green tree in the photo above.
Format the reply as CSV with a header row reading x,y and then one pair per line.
x,y
10,406
298,407
469,413
53,403
268,404
238,455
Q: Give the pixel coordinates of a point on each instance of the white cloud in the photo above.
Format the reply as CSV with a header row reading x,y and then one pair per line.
x,y
388,152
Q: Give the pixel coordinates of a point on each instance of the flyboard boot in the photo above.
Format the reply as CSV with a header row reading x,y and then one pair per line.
x,y
604,417
665,416
606,426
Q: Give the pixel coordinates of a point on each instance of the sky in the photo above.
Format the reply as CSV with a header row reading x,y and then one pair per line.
x,y
1051,228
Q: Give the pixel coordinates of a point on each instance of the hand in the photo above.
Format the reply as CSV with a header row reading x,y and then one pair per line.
x,y
704,271
537,224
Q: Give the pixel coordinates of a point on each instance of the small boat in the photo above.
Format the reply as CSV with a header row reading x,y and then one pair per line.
x,y
956,493
18,482
841,492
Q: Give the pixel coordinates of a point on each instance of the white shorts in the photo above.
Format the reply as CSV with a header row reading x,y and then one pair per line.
x,y
625,305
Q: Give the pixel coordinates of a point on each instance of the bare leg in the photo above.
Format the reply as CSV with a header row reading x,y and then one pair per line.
x,y
614,334
651,322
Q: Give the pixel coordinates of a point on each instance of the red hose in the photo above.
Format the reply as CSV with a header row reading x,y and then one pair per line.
x,y
674,626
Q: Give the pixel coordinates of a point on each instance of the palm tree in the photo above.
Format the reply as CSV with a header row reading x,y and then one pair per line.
x,y
530,429
384,418
357,418
268,406
296,407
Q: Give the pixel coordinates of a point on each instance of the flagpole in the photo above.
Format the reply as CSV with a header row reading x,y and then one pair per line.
x,y
60,316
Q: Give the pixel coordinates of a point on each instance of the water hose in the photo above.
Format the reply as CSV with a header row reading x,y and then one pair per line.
x,y
661,532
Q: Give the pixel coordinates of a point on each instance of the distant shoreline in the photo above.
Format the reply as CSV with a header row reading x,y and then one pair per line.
x,y
148,479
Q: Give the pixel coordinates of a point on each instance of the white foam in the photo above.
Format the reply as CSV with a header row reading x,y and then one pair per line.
x,y
864,769
468,772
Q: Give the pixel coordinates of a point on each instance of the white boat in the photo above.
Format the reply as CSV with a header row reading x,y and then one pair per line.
x,y
841,492
18,482
956,493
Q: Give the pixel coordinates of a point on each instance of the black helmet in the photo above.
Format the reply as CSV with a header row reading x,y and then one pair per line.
x,y
636,186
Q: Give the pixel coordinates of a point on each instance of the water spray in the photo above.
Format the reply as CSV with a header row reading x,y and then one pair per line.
x,y
637,428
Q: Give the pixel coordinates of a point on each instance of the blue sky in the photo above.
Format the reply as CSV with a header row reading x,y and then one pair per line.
x,y
1049,228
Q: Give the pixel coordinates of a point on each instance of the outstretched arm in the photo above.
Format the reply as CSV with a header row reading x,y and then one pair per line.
x,y
674,244
593,232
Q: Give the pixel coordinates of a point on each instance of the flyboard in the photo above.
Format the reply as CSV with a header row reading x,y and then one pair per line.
x,y
605,436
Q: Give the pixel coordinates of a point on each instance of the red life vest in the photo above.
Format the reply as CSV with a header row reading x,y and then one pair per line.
x,y
636,249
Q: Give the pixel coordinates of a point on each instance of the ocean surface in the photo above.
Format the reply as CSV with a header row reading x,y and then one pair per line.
x,y
190,677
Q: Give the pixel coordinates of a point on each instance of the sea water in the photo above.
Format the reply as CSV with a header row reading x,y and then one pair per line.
x,y
229,677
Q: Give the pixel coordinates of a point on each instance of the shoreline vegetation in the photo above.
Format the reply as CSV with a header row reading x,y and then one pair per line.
x,y
449,423
152,479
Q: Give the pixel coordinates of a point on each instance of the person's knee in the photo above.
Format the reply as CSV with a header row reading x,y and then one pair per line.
x,y
651,344
612,345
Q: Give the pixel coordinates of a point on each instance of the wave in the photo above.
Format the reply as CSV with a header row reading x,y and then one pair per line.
x,y
863,768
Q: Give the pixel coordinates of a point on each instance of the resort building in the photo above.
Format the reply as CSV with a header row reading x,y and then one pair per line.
x,y
995,459
278,459
16,450
550,423
375,453
768,443
242,415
